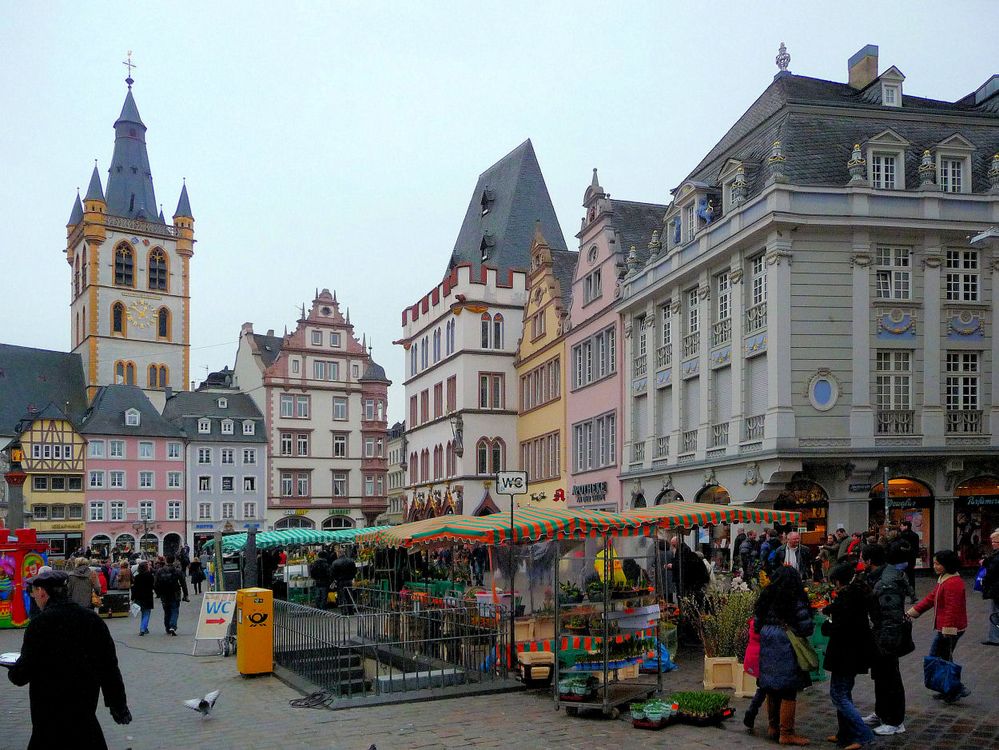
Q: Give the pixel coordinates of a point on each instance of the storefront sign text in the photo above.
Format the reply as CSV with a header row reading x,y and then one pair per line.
x,y
590,493
981,500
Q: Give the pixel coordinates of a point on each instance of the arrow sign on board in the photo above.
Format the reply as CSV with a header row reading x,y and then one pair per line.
x,y
215,622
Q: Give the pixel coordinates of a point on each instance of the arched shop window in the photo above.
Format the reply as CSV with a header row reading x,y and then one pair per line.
x,y
809,498
908,500
101,543
294,522
713,494
150,544
124,542
668,496
338,522
976,516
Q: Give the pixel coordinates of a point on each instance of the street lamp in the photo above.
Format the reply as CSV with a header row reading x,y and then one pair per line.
x,y
15,477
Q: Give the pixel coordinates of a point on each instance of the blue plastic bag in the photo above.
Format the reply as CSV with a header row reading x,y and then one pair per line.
x,y
940,675
980,579
667,664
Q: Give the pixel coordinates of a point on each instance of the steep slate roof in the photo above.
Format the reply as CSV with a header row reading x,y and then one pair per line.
x,y
516,198
130,182
817,145
183,205
76,216
36,378
563,268
184,409
634,223
375,372
107,414
268,346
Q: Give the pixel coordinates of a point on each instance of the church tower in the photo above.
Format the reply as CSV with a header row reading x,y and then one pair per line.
x,y
130,311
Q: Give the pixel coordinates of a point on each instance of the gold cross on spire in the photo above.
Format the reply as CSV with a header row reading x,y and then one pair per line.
x,y
129,64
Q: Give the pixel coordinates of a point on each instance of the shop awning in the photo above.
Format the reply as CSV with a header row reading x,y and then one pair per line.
x,y
685,515
529,525
289,537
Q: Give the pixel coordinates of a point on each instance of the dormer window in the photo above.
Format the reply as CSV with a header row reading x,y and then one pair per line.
x,y
204,426
132,418
227,427
248,427
689,222
891,95
886,161
223,403
488,198
954,164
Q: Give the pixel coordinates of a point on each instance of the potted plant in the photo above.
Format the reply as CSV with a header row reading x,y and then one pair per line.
x,y
570,592
700,708
577,625
595,590
721,618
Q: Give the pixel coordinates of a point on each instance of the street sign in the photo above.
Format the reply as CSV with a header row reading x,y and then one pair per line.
x,y
217,609
511,483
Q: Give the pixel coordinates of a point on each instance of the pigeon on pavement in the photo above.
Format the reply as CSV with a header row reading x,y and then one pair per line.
x,y
204,705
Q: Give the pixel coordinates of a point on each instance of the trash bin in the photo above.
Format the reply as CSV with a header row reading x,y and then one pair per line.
x,y
254,631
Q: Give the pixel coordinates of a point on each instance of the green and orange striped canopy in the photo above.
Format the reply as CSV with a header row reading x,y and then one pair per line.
x,y
685,515
529,525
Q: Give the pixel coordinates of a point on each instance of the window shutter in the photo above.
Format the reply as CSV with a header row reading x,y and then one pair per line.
x,y
756,386
722,396
664,411
691,403
640,418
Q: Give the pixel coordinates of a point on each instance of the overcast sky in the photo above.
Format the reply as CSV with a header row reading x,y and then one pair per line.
x,y
337,144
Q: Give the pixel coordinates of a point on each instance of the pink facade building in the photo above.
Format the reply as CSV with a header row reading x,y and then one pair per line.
x,y
594,346
134,475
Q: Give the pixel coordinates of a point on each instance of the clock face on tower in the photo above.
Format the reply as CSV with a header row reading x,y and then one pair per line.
x,y
140,314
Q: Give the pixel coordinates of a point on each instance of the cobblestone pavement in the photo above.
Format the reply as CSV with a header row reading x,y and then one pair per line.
x,y
255,713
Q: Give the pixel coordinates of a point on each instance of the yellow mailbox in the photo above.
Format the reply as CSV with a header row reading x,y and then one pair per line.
x,y
254,631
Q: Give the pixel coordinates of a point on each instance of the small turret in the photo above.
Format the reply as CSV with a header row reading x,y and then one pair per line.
x,y
76,215
183,220
94,208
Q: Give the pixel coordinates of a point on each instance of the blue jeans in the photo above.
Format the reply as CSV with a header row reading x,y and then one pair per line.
x,y
144,620
943,646
851,726
171,609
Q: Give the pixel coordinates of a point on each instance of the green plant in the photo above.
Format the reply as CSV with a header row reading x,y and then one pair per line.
x,y
699,703
570,591
720,618
577,622
595,591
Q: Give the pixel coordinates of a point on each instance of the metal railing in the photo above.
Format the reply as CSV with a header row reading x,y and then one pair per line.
x,y
966,421
756,318
721,332
719,435
137,225
408,645
689,441
895,422
752,427
691,344
639,366
664,356
638,452
662,446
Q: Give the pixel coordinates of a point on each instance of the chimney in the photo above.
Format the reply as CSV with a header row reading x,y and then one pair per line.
x,y
270,331
246,328
863,67
168,392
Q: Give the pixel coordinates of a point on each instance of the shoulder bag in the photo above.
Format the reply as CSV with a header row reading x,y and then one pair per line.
x,y
808,660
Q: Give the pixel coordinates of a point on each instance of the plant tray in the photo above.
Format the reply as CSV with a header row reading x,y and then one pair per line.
x,y
573,698
707,721
654,725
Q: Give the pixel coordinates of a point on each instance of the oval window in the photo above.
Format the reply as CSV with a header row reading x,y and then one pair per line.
x,y
823,391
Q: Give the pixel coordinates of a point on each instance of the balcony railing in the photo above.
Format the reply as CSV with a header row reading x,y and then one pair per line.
x,y
691,344
639,366
662,446
689,440
756,318
964,422
719,435
664,356
752,427
638,452
895,422
721,332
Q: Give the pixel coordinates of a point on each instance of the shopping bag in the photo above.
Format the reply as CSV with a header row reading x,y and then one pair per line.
x,y
808,660
980,579
135,610
940,675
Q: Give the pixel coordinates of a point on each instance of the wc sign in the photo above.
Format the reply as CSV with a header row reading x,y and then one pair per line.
x,y
511,483
216,613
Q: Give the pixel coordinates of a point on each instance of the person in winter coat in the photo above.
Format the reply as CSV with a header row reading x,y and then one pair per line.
x,y
123,581
197,574
827,555
911,539
950,621
747,555
850,652
82,584
990,589
142,594
751,666
66,644
167,585
892,636
782,606
794,554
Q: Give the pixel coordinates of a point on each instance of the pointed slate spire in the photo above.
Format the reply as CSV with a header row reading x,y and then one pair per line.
x,y
162,218
94,191
76,216
130,182
348,316
184,204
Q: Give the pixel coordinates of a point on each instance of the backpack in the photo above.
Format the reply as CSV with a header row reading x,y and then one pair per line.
x,y
165,582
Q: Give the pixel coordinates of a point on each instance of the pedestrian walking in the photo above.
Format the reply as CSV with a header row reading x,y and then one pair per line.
x,y
321,577
990,589
911,539
67,644
948,599
850,652
197,573
83,586
167,585
182,577
747,555
782,608
123,581
751,666
892,636
142,594
828,554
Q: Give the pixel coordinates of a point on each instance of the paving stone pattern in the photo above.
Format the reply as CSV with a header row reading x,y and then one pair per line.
x,y
254,713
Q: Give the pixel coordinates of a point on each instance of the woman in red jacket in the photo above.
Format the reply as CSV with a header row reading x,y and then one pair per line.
x,y
951,613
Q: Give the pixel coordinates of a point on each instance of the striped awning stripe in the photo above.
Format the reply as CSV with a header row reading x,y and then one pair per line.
x,y
288,537
685,515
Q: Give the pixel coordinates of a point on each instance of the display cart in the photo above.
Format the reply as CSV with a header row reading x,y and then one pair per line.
x,y
21,555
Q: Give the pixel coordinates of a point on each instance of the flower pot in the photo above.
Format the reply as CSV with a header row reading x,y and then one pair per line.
x,y
721,672
746,688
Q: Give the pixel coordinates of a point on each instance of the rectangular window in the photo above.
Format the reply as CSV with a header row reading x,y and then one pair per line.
x,y
204,511
117,510
116,479
57,484
96,449
285,448
424,406
249,428
962,384
40,512
317,338
249,510
59,512
75,484
173,450
249,456
339,445
369,447
302,444
594,442
204,426
302,407
962,276
894,273
204,484
723,294
41,483
287,405
369,485
249,484
339,485
538,325
490,390
369,409
228,456
173,480
693,319
883,170
173,510
146,510
438,400
295,367
117,448
205,456
146,480
302,485
325,370
592,288
951,175
334,339
96,480
893,380
228,427
228,484
145,450
452,393
96,511
339,408
228,511
287,482
758,273
689,223
414,406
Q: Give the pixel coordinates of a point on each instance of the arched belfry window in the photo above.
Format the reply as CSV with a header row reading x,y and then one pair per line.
x,y
163,323
157,269
124,266
119,320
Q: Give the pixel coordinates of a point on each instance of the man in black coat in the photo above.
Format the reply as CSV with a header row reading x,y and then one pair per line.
x,y
67,644
911,538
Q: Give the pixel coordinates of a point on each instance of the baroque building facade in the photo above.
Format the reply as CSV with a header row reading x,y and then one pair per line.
x,y
825,280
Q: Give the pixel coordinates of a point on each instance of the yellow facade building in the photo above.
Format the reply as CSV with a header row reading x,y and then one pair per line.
x,y
540,364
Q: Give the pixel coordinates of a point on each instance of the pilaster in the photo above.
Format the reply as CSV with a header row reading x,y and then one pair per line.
x,y
705,320
779,423
675,402
861,414
993,263
933,415
738,360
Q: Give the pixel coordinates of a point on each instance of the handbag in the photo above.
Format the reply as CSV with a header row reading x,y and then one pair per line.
x,y
135,610
905,643
980,579
940,675
95,601
808,660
